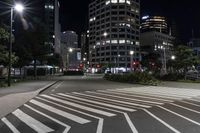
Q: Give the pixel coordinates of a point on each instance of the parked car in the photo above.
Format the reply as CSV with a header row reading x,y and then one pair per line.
x,y
192,74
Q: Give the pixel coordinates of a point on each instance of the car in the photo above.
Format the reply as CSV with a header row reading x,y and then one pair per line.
x,y
192,74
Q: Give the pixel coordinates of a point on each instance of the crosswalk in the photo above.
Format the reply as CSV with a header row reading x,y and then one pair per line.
x,y
160,109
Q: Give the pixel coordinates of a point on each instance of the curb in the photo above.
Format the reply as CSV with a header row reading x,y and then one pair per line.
x,y
39,91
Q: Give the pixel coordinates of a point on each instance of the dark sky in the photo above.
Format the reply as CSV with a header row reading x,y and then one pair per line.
x,y
184,14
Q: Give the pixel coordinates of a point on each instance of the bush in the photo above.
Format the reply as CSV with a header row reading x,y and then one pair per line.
x,y
171,77
137,77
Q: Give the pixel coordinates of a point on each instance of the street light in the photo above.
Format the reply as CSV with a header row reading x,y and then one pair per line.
x,y
70,50
173,57
19,8
131,53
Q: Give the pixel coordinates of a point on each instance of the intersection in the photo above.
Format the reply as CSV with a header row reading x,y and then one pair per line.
x,y
137,109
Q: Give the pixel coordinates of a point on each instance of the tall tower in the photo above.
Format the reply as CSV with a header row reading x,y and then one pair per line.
x,y
154,23
114,31
51,18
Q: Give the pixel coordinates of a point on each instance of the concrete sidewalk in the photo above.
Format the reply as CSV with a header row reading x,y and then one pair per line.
x,y
13,97
181,85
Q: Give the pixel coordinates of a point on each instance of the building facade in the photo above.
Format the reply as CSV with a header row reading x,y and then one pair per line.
x,y
85,45
51,18
69,50
154,23
156,42
114,31
195,45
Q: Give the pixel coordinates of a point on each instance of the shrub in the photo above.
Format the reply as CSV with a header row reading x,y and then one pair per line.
x,y
137,77
171,77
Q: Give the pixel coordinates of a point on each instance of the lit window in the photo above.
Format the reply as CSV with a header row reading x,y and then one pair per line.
x,y
128,2
113,1
122,41
128,41
121,1
114,41
98,43
137,43
107,2
108,41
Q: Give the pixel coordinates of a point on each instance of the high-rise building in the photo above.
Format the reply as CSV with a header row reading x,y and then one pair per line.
x,y
154,23
194,43
51,18
85,45
114,31
69,49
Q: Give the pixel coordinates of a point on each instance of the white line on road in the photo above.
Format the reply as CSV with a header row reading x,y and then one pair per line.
x,y
193,104
31,122
57,86
140,96
67,128
80,106
152,94
99,103
60,112
117,101
101,107
161,121
100,123
134,130
188,119
10,125
132,99
185,108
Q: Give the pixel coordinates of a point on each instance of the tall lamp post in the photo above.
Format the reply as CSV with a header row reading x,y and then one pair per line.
x,y
131,53
19,8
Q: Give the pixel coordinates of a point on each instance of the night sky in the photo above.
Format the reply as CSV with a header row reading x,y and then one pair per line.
x,y
183,15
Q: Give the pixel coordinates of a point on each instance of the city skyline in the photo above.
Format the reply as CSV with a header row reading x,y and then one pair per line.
x,y
74,16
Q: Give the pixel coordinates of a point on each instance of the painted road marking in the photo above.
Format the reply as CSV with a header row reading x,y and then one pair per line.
x,y
128,103
10,125
161,121
57,86
60,112
132,99
80,106
140,96
185,108
31,122
193,104
188,119
131,125
51,118
100,123
99,103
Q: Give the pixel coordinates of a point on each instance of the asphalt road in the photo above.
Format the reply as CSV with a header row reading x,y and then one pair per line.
x,y
92,105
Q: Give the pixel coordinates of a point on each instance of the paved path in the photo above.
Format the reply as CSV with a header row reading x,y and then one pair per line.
x,y
127,110
18,94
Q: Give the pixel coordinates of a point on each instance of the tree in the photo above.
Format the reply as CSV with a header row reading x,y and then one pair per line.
x,y
185,58
4,37
151,61
30,45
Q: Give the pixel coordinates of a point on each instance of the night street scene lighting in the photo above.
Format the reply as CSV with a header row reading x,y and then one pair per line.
x,y
99,66
18,7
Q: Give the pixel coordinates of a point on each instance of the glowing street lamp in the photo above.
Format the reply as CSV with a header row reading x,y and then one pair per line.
x,y
18,8
173,57
70,50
